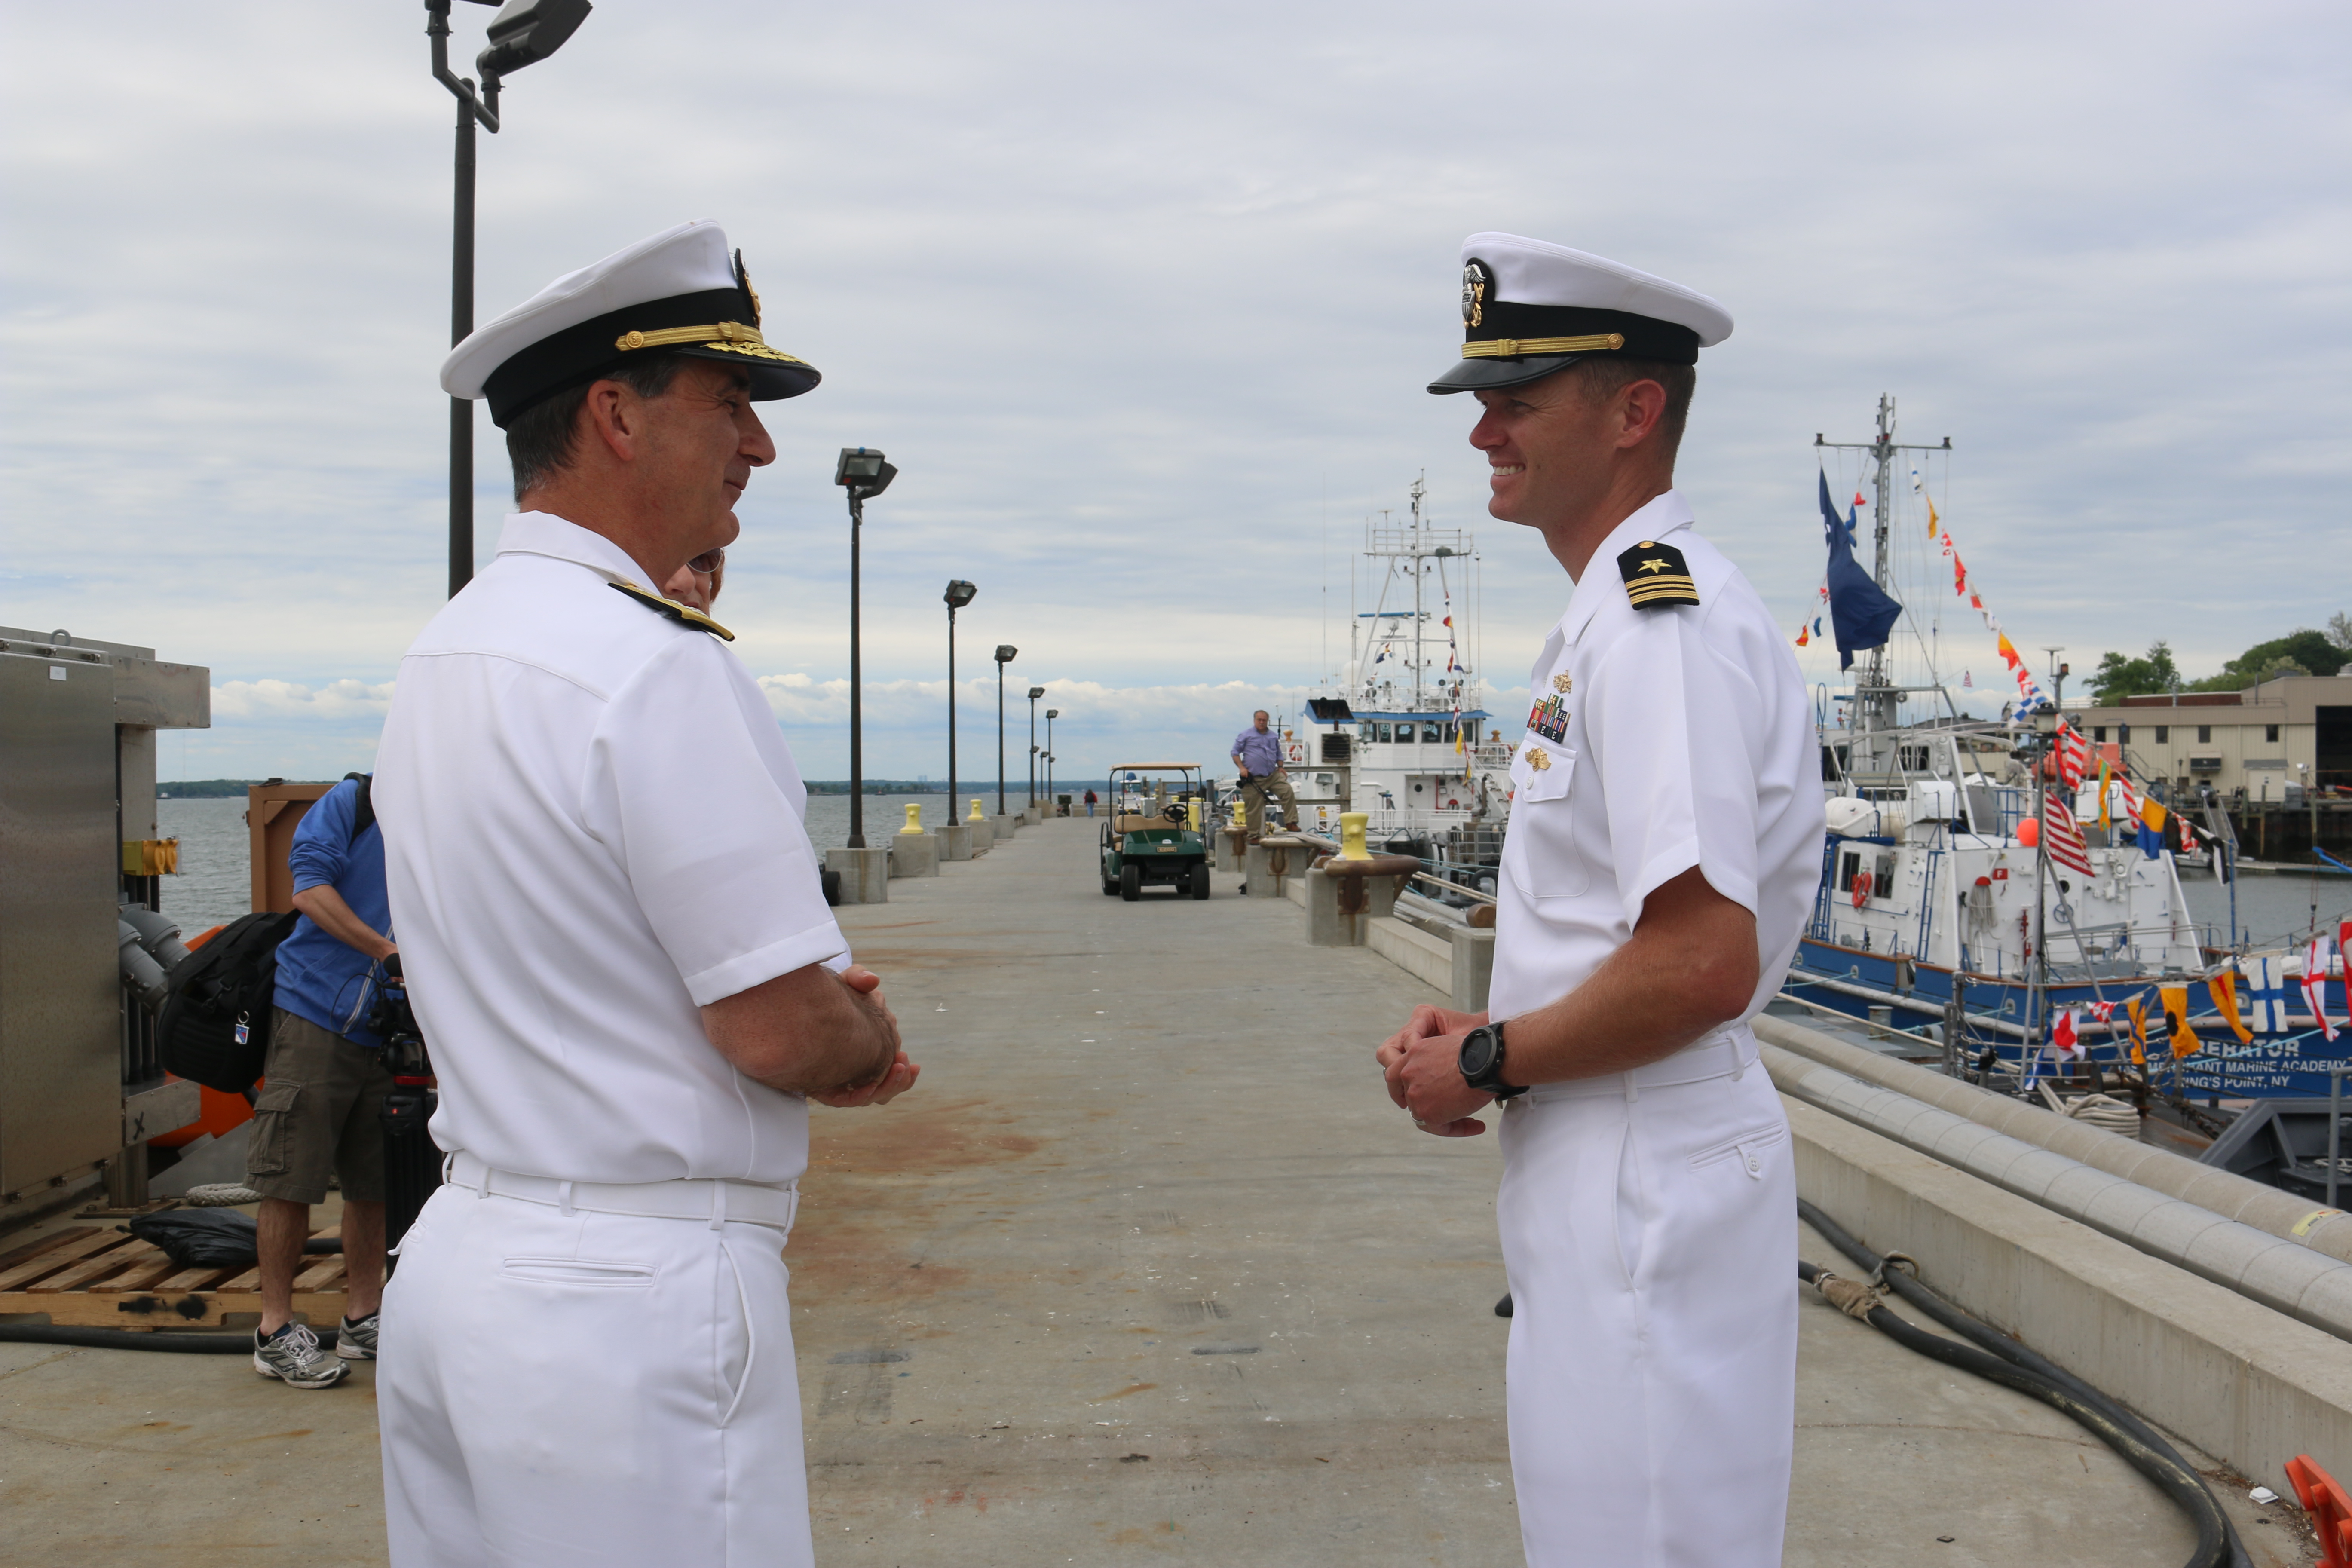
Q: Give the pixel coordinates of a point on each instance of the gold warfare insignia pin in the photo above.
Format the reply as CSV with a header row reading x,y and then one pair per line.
x,y
1656,576
1477,289
1539,759
683,615
1562,684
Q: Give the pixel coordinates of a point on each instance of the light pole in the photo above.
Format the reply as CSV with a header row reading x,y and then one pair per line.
x,y
960,594
1051,715
1005,652
522,33
1034,693
863,475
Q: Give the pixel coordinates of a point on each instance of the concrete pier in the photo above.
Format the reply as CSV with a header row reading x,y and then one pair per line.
x,y
1145,1269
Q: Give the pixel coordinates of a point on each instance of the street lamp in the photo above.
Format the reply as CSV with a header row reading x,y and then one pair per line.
x,y
1051,715
523,33
863,474
1034,693
1006,653
960,594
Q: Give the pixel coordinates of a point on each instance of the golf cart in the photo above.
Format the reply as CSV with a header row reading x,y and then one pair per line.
x,y
1148,838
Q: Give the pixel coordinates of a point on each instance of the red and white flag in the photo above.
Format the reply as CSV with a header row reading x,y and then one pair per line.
x,y
2074,756
2063,1037
2062,839
2315,984
2188,838
2102,1012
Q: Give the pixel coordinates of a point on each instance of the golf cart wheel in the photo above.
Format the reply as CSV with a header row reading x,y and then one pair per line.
x,y
1198,882
1130,882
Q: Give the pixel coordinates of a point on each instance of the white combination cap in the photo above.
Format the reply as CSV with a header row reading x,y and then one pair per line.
x,y
682,291
1530,308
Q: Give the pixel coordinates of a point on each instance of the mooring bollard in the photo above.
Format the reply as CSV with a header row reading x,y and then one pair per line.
x,y
1345,896
864,874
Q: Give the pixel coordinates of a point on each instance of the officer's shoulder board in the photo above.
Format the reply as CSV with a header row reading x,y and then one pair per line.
x,y
1656,576
683,615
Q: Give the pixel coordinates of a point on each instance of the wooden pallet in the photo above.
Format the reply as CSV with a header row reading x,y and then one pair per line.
x,y
99,1277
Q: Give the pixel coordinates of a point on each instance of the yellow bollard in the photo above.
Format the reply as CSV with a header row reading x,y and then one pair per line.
x,y
1241,813
1192,814
976,815
914,817
1351,835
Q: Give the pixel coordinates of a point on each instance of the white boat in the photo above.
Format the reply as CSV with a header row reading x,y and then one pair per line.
x,y
1402,733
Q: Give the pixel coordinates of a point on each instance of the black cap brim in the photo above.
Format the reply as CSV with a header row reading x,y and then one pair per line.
x,y
1493,375
771,378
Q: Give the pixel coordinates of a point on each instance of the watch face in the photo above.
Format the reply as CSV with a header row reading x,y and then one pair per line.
x,y
1478,1053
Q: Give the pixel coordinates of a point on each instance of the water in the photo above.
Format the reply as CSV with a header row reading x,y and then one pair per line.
x,y
214,885
2275,910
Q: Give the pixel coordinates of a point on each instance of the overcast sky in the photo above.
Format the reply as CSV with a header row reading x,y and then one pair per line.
x,y
1142,300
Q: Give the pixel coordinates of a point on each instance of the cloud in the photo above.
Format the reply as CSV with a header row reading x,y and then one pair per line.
x,y
268,700
1141,302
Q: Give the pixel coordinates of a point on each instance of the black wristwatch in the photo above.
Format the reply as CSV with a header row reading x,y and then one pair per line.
x,y
1482,1062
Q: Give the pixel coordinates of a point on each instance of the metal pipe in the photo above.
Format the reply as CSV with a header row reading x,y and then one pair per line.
x,y
856,688
2305,1284
2234,1197
2335,1128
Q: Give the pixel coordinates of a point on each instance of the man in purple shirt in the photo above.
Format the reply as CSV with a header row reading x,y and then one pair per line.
x,y
1257,752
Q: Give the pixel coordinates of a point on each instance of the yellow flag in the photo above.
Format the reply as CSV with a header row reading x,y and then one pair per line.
x,y
2137,1007
1931,516
2152,813
2102,793
2174,999
2224,987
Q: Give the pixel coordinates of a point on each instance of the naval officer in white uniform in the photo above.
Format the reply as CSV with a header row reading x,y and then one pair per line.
x,y
1665,839
623,965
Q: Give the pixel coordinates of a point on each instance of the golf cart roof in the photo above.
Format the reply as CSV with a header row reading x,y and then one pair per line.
x,y
1155,768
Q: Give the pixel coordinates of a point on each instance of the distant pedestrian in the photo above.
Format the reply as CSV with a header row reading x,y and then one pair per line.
x,y
1090,803
1257,752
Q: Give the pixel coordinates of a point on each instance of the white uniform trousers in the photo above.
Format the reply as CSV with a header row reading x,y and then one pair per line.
x,y
589,1389
1649,1228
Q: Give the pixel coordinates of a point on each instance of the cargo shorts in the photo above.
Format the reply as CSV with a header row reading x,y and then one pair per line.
x,y
317,1113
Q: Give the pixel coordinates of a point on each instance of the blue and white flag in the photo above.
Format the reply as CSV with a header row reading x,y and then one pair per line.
x,y
2267,987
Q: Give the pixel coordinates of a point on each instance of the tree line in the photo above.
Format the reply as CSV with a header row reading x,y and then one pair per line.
x,y
2301,652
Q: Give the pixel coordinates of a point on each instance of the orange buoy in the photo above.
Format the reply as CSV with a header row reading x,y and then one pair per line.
x,y
2029,832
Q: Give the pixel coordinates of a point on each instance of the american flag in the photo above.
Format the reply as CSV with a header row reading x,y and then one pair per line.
x,y
2063,838
2074,756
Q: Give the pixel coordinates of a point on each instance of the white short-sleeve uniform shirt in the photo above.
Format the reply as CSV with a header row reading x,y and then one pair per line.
x,y
592,828
1658,740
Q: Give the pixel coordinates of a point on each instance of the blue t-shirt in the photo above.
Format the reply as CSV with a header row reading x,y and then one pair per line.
x,y
319,978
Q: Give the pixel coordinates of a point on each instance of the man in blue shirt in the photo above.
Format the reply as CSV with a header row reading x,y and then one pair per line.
x,y
318,1110
1257,752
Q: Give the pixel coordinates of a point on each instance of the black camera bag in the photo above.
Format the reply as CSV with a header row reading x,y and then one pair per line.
x,y
229,981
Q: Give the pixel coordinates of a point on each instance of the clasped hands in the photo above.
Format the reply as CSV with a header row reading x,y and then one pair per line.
x,y
899,1077
1423,1062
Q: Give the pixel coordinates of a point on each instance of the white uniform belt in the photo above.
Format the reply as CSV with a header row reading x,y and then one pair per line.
x,y
1726,1053
715,1201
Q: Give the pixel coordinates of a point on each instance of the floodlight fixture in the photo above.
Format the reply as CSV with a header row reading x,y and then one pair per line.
x,y
1006,653
525,32
864,472
960,594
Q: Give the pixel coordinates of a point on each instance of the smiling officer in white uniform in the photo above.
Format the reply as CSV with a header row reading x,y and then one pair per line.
x,y
1665,839
622,964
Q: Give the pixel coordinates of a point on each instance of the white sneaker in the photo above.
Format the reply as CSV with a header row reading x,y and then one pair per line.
x,y
294,1356
355,1338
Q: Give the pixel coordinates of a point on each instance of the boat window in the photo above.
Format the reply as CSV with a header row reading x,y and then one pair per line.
x,y
1848,863
1886,878
1912,759
1433,732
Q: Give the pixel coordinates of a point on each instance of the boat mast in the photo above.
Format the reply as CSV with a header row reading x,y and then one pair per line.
x,y
1420,489
1876,695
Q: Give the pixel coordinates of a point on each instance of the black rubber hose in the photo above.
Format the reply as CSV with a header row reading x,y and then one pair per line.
x,y
2012,1365
1918,1295
125,1338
